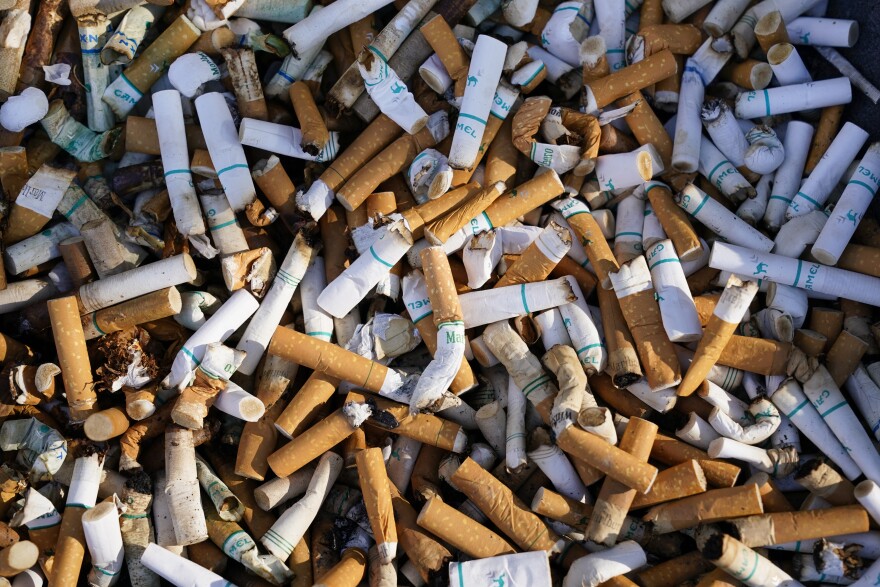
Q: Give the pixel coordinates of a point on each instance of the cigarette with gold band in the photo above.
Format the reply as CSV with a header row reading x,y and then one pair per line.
x,y
741,562
600,93
823,480
678,481
783,527
711,506
318,439
725,319
634,290
125,92
375,489
498,502
615,498
770,30
81,496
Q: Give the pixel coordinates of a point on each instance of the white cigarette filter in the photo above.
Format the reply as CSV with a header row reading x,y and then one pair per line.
x,y
697,432
178,570
190,72
652,230
487,306
319,25
104,539
624,170
259,330
556,466
629,225
787,65
346,291
786,310
743,563
292,525
440,372
583,332
813,277
720,220
661,400
429,175
787,180
282,489
688,126
724,130
611,20
567,28
294,67
794,98
317,322
680,318
850,209
515,430
722,173
827,398
481,255
526,568
175,161
766,422
226,320
389,92
765,153
823,32
226,151
484,74
283,140
598,567
868,494
816,189
776,462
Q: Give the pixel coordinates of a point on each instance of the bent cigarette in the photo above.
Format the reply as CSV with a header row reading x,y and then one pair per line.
x,y
389,92
634,290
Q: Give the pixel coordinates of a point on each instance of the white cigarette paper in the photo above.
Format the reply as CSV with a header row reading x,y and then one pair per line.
x,y
680,318
795,98
283,140
487,306
720,220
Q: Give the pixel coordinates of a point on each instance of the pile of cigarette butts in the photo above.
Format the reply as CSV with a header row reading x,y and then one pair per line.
x,y
479,293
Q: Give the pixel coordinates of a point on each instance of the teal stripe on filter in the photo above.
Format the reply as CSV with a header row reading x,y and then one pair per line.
x,y
380,259
661,261
471,117
224,225
700,207
833,409
231,167
76,205
864,185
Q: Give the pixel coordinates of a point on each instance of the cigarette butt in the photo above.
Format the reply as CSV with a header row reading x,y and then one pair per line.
x,y
821,479
298,414
348,572
771,496
828,322
524,198
499,504
76,370
782,527
559,507
141,136
741,562
18,558
844,356
460,531
208,555
439,230
609,459
106,424
276,185
671,451
76,259
501,161
379,134
811,342
750,74
682,480
36,202
593,56
314,133
423,427
711,506
630,79
829,123
591,237
210,42
770,30
146,308
615,498
374,485
443,41
647,128
312,443
675,571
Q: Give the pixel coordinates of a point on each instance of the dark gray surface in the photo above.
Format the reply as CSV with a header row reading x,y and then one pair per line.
x,y
865,56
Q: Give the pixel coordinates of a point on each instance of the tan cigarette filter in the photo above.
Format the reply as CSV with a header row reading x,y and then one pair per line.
x,y
424,427
600,255
569,267
147,308
348,572
11,349
501,162
675,222
533,265
771,496
375,488
705,304
823,480
76,259
750,74
718,578
314,132
106,424
758,355
782,527
681,39
303,406
276,185
18,557
148,67
559,507
829,124
844,356
647,128
615,498
24,221
258,440
711,506
672,451
300,563
327,358
416,543
462,532
861,259
623,360
439,230
609,459
633,78
379,134
432,210
73,357
524,198
465,378
311,444
770,30
13,170
391,161
503,508
439,35
809,341
141,136
676,571
208,555
594,59
682,480
70,551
